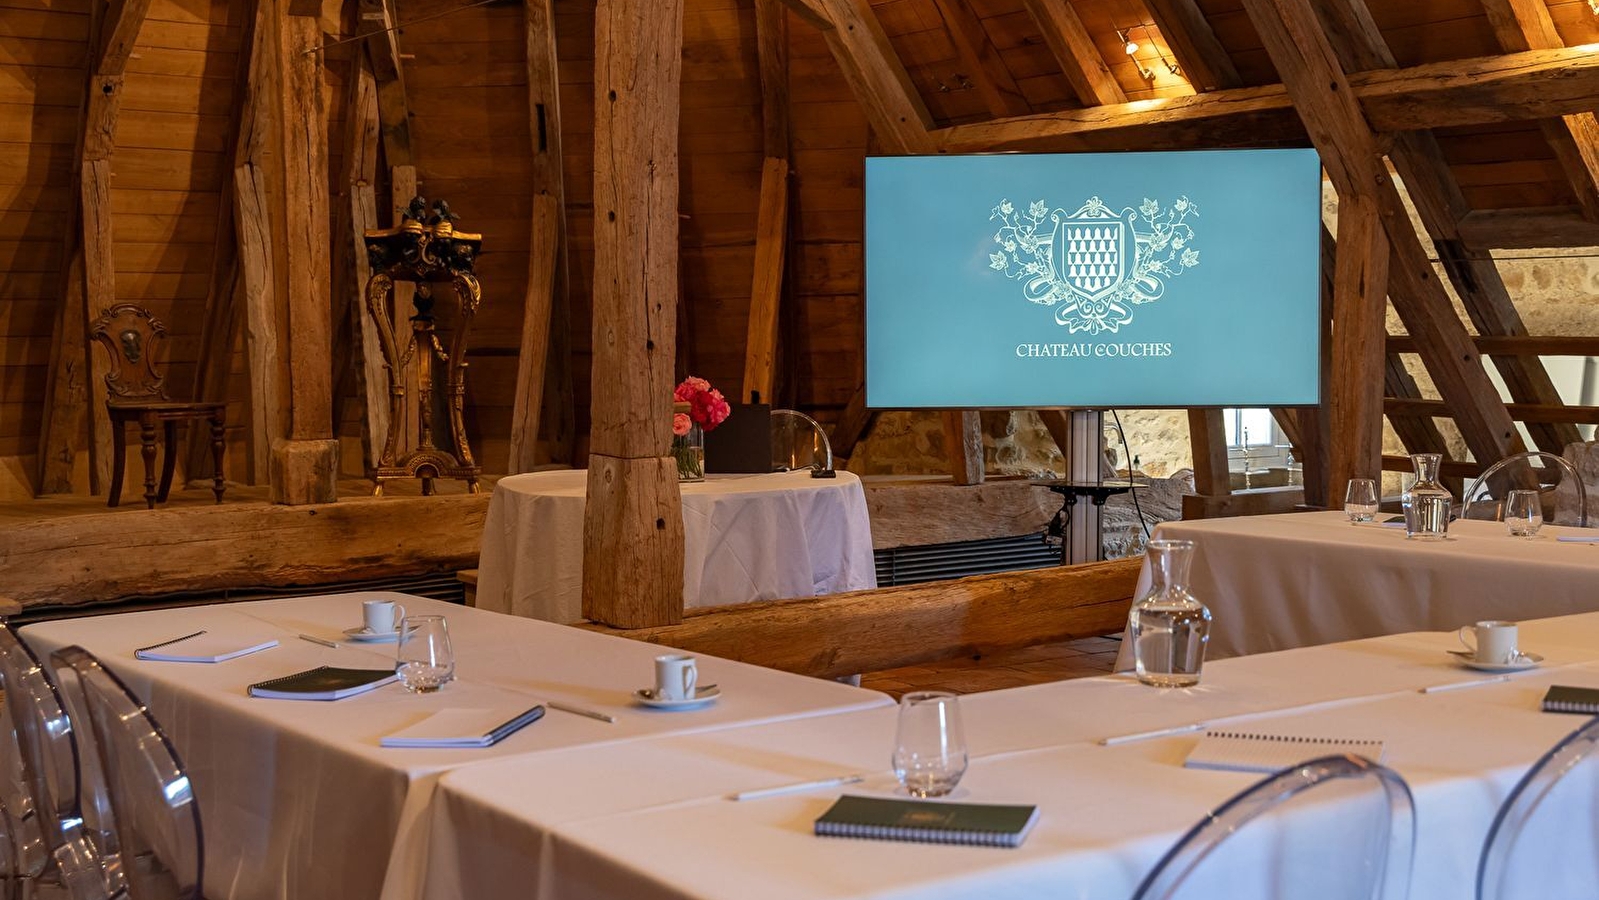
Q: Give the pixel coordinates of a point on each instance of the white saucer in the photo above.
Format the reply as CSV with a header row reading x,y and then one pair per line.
x,y
361,635
702,697
1522,661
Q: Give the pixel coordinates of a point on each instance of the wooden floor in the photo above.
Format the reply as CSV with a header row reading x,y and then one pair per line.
x,y
1017,668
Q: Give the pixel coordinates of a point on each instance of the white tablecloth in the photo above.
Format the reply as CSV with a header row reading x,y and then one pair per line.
x,y
746,538
297,798
650,821
1299,579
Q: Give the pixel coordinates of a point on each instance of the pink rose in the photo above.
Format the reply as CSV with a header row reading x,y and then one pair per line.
x,y
710,409
691,386
681,424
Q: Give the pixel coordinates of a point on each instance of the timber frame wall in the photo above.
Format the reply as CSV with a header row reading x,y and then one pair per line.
x,y
142,159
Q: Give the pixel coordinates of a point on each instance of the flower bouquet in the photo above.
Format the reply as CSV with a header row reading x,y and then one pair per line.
x,y
697,408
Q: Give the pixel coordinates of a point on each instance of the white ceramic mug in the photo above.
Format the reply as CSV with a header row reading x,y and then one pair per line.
x,y
381,616
675,677
1492,642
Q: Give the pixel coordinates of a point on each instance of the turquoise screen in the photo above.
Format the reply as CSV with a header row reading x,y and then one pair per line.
x,y
1096,280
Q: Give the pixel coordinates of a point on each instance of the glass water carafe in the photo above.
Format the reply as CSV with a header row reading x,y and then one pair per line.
x,y
1428,504
1168,627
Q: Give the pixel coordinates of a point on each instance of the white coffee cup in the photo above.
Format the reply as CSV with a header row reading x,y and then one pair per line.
x,y
1492,642
381,616
675,677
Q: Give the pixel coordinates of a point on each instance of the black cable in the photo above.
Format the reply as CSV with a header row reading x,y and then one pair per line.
x,y
1128,453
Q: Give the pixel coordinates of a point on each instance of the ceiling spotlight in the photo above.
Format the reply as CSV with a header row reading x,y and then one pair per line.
x,y
1132,46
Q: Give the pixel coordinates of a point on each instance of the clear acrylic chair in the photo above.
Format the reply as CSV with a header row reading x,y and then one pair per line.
x,y
1532,470
1342,822
155,820
799,442
55,854
1544,842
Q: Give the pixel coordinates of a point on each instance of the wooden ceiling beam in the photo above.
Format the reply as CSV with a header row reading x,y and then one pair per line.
x,y
1506,88
978,55
1531,413
1193,44
1533,228
1074,50
1574,138
1293,36
875,74
1565,345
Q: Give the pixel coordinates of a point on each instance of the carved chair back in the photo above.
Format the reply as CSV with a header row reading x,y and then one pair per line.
x,y
130,335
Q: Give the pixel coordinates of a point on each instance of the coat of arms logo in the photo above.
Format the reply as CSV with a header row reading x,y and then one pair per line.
x,y
1095,264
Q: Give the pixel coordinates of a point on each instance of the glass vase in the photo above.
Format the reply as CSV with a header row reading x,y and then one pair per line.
x,y
1169,628
1427,503
689,449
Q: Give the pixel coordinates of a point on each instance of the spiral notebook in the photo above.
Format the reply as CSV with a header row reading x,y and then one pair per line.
x,y
1566,699
879,818
1242,751
323,683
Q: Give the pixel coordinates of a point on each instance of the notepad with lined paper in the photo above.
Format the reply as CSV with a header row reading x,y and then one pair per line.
x,y
1241,751
203,647
463,728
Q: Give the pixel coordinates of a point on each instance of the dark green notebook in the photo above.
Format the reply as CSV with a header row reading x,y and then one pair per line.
x,y
323,683
1563,699
927,821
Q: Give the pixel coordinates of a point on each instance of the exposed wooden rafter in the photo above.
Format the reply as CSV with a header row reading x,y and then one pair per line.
x,y
1441,204
1204,61
1527,229
1351,153
875,74
1506,88
978,54
362,130
76,390
1074,50
1527,25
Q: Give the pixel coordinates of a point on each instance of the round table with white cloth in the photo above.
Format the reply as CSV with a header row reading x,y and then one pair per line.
x,y
746,538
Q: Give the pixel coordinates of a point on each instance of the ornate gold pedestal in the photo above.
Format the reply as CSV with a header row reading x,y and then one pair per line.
x,y
425,250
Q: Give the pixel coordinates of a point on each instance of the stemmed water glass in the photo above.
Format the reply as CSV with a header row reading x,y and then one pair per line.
x,y
1360,500
1524,513
930,745
425,660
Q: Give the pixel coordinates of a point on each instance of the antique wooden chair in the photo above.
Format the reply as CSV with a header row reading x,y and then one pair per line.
x,y
134,393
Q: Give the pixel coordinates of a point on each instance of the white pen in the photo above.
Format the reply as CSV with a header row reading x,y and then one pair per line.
x,y
316,640
1462,685
798,788
1574,539
1146,735
579,711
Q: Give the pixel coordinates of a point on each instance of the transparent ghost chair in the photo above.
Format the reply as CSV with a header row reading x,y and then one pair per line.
x,y
55,854
1342,822
11,875
1547,473
798,442
154,817
1544,842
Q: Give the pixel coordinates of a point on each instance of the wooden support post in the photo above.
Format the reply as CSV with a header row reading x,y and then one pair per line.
x,y
304,460
1360,307
1441,205
1333,116
257,230
633,524
979,56
1207,436
361,127
403,187
963,438
1193,44
76,389
544,313
1075,52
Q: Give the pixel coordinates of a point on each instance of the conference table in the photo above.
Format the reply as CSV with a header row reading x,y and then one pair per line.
x,y
1299,579
746,538
297,798
652,820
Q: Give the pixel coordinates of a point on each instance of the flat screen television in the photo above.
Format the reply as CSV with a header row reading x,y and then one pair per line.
x,y
1172,279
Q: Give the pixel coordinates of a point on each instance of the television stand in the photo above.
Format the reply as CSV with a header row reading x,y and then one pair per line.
x,y
1097,493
